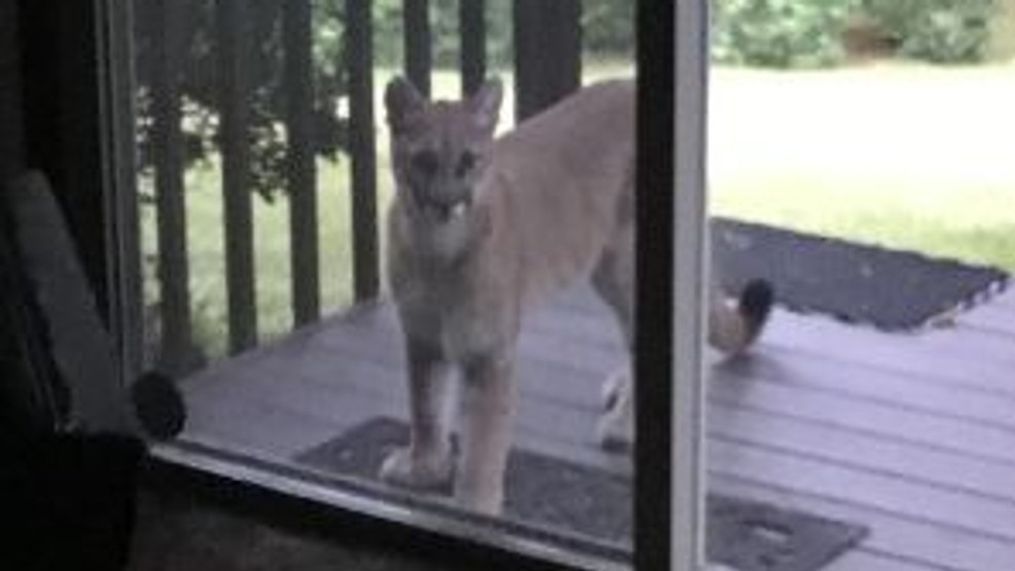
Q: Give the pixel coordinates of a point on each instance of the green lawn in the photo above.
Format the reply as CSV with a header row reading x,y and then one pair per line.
x,y
908,156
911,157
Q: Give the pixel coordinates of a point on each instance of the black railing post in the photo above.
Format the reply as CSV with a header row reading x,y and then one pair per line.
x,y
232,22
418,55
168,159
359,38
472,22
301,171
547,53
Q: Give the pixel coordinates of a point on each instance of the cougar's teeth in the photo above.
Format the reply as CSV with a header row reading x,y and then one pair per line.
x,y
458,210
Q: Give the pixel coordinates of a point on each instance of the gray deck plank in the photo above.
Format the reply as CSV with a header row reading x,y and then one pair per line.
x,y
324,393
938,355
541,419
898,455
911,434
255,424
809,372
867,418
959,357
944,351
875,454
865,561
855,381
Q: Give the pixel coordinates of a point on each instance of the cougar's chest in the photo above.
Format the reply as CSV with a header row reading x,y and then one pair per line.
x,y
467,306
461,322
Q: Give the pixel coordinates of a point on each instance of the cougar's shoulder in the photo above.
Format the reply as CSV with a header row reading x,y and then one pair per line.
x,y
555,186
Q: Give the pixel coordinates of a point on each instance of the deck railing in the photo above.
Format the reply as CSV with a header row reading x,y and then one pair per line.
x,y
543,52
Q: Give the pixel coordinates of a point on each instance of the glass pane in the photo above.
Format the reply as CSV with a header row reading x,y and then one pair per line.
x,y
860,164
429,304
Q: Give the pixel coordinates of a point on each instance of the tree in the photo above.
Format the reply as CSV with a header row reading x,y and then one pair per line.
x,y
199,87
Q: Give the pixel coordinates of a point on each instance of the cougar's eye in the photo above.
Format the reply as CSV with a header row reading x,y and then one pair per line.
x,y
425,162
465,164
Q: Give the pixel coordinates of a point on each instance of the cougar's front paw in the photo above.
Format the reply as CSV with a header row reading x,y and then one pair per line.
x,y
488,501
418,472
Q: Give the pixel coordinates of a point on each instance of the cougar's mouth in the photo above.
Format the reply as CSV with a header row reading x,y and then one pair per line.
x,y
445,211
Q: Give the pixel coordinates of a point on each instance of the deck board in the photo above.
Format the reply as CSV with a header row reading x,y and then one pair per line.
x,y
912,434
867,561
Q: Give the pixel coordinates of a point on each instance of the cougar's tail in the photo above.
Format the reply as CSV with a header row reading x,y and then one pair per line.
x,y
732,328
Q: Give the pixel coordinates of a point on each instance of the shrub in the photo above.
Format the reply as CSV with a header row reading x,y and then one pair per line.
x,y
941,31
198,76
779,33
608,28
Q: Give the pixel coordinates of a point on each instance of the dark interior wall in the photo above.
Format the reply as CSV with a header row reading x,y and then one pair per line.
x,y
60,43
11,156
17,410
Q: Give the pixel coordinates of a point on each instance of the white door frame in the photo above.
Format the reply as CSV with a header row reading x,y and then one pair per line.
x,y
690,295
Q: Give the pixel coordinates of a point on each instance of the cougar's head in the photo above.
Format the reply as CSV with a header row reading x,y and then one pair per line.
x,y
440,150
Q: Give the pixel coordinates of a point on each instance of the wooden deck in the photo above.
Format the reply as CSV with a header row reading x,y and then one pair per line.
x,y
910,434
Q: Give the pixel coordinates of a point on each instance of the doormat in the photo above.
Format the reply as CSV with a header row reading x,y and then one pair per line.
x,y
891,290
558,494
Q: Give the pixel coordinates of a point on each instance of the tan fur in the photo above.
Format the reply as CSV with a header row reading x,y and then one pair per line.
x,y
544,206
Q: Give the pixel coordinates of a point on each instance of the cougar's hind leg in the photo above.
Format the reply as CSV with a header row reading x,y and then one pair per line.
x,y
427,462
614,281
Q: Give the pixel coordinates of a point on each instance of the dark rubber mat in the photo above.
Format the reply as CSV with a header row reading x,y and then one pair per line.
x,y
558,494
888,289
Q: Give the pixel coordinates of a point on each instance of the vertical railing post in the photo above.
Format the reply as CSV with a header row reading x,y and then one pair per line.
x,y
547,53
301,171
472,22
359,38
232,26
167,157
418,55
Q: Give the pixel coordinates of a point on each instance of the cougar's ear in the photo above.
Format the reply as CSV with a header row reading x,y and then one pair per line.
x,y
485,104
404,104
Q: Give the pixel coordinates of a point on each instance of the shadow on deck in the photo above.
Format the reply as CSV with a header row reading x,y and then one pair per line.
x,y
912,435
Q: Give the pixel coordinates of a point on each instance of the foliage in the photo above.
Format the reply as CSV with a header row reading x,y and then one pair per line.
x,y
388,43
808,33
608,28
198,83
779,33
771,33
943,31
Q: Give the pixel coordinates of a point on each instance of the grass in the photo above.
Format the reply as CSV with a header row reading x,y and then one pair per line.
x,y
906,156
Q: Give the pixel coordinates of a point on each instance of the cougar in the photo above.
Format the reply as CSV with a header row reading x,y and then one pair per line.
x,y
483,228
